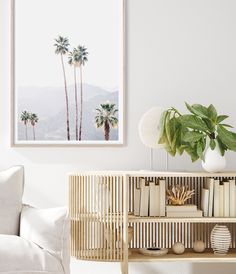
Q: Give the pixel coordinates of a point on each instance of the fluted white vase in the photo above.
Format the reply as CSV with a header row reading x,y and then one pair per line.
x,y
214,161
220,239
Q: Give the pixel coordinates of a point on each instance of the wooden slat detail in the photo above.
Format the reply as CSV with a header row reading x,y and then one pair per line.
x,y
99,204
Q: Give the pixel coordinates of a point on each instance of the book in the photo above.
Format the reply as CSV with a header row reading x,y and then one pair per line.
x,y
221,188
210,185
235,200
216,198
185,214
232,212
205,201
137,193
144,198
226,199
182,208
154,200
162,184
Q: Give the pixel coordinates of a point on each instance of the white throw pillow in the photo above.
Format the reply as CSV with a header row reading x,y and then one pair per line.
x,y
11,191
48,228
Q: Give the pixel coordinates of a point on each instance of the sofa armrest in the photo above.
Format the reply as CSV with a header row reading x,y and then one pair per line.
x,y
49,229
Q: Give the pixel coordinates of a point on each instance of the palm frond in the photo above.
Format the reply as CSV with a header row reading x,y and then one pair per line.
x,y
62,45
106,113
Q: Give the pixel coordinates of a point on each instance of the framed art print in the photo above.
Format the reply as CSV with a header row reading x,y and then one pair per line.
x,y
67,72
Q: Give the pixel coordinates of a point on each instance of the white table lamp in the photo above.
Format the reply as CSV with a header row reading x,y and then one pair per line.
x,y
149,130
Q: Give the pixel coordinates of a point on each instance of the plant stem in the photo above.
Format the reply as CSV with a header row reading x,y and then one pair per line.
x,y
176,111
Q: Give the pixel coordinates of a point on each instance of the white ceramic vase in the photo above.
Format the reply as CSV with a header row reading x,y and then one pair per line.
x,y
214,161
220,239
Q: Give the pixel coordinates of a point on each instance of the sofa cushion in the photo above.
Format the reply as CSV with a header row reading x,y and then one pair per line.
x,y
18,255
49,229
11,190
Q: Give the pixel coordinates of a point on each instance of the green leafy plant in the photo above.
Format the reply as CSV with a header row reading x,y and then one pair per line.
x,y
190,132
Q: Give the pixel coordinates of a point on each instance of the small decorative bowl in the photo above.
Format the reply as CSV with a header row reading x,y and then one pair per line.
x,y
153,251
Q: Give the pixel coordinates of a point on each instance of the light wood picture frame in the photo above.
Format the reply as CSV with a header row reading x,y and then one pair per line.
x,y
58,98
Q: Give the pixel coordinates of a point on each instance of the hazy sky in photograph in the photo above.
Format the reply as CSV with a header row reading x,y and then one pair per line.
x,y
96,24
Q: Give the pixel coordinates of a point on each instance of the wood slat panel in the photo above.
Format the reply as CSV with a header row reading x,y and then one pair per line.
x,y
99,204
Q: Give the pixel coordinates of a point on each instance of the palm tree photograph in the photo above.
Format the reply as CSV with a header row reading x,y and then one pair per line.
x,y
24,117
62,48
68,84
33,118
106,118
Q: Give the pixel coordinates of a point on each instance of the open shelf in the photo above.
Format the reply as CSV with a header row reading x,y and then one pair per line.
x,y
97,217
137,219
104,227
189,256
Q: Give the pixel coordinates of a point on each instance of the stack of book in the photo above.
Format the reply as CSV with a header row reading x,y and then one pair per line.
x,y
218,199
183,211
150,198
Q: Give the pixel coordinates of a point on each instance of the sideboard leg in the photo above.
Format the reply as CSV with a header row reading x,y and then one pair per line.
x,y
124,267
125,225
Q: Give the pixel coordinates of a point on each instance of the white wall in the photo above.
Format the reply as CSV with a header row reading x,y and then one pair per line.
x,y
177,51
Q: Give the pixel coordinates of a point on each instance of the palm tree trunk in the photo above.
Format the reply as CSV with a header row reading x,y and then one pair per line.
x,y
76,107
81,103
33,132
67,104
107,131
26,133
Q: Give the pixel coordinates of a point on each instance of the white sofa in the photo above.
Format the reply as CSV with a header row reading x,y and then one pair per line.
x,y
32,241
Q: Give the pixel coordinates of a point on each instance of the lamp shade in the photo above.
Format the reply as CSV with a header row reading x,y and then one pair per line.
x,y
149,127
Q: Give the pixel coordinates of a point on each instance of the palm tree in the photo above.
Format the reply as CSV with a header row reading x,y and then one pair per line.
x,y
25,119
106,118
62,44
82,55
74,59
33,120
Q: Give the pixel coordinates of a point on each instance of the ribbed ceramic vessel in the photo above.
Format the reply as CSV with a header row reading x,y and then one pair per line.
x,y
220,239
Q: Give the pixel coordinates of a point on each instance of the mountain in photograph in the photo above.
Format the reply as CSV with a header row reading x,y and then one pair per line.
x,y
49,106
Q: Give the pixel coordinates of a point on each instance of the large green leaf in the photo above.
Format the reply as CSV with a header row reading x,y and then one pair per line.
x,y
174,140
162,125
200,149
226,125
192,136
192,153
163,139
193,122
212,144
198,110
175,133
222,147
227,137
167,127
169,150
210,124
180,149
212,113
221,118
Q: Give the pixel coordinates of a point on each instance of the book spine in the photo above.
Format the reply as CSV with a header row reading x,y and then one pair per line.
x,y
232,198
196,214
226,199
217,198
144,199
154,200
221,188
162,184
185,208
235,201
137,192
205,201
211,193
